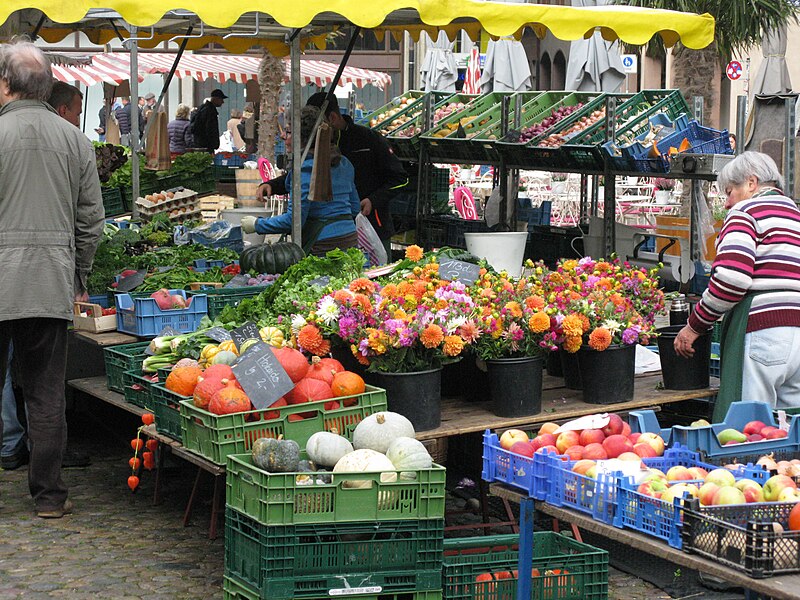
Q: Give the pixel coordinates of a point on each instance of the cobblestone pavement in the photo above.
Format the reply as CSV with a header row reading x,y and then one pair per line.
x,y
117,545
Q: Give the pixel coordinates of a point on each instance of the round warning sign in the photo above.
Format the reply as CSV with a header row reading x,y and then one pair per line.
x,y
734,70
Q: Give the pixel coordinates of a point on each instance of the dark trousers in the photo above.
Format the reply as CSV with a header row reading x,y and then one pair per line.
x,y
40,346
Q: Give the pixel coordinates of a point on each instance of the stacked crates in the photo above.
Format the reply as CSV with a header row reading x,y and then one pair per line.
x,y
305,535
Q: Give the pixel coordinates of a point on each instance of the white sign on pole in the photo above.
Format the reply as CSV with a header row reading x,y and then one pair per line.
x,y
629,62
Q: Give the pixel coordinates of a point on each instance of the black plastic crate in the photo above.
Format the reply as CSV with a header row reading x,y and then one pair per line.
x,y
113,202
458,227
551,244
743,536
434,231
308,561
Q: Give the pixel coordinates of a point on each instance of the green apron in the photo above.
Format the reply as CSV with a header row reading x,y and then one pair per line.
x,y
313,228
731,355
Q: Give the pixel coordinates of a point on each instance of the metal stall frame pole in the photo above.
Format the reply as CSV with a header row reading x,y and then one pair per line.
x,y
610,186
423,173
789,146
506,174
134,135
741,121
297,160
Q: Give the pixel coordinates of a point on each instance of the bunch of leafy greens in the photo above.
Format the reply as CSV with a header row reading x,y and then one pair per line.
x,y
173,256
191,163
122,176
179,278
293,291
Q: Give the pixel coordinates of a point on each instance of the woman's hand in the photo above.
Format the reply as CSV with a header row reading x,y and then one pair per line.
x,y
684,342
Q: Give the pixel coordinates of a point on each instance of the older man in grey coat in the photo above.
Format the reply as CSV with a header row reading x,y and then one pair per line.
x,y
51,220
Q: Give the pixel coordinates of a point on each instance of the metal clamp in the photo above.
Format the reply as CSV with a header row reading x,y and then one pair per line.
x,y
245,35
133,38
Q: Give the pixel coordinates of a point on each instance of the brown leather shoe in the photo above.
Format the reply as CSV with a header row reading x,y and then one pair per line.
x,y
56,513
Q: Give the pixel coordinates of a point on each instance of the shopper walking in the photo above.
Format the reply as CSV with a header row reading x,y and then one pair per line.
x,y
123,115
51,208
205,122
180,137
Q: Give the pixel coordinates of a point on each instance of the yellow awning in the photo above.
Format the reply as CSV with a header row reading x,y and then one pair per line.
x,y
632,25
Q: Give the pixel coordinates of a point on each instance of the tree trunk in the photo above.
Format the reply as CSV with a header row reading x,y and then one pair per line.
x,y
270,79
697,73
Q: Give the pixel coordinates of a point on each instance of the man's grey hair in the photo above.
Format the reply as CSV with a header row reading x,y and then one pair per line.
x,y
748,164
26,71
63,94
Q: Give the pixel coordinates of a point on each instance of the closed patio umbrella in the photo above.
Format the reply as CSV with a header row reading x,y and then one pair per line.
x,y
439,69
773,75
594,64
472,79
506,68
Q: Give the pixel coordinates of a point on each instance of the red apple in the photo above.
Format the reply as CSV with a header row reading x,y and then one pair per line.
x,y
511,437
592,436
644,450
630,456
722,477
616,444
751,490
698,473
654,441
777,434
626,429
678,473
535,443
522,448
582,466
753,427
567,439
754,437
547,450
547,428
595,452
634,437
730,443
546,439
652,488
614,426
575,452
766,431
707,492
776,484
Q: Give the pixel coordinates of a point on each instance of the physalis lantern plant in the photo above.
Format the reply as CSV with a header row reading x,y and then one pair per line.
x,y
414,322
514,318
602,303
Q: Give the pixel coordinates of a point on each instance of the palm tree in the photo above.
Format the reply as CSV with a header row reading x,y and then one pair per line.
x,y
740,26
270,79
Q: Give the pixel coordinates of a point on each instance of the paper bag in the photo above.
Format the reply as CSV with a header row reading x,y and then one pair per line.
x,y
157,144
321,188
112,129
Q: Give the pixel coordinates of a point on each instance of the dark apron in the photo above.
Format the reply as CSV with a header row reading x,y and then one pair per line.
x,y
313,228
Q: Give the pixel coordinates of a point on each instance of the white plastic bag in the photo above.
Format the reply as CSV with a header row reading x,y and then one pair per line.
x,y
369,242
225,142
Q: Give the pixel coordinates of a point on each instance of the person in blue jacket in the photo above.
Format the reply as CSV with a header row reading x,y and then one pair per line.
x,y
326,224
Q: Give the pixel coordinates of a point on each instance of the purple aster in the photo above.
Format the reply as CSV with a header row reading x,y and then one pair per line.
x,y
631,335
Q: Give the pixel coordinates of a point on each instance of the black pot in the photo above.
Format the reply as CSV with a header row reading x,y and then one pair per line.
x,y
515,385
608,374
416,396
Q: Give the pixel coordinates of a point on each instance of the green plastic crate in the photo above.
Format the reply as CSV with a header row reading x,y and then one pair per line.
x,y
219,298
225,173
121,358
413,110
137,388
236,590
166,407
113,202
536,110
414,94
309,561
216,436
565,569
278,498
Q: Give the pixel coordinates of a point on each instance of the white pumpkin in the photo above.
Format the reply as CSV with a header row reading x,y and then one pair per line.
x,y
326,449
365,461
408,454
379,430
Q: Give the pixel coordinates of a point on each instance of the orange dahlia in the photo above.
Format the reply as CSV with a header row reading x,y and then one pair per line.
x,y
572,326
431,336
453,345
572,343
534,302
414,253
600,339
362,285
514,309
539,322
310,338
585,325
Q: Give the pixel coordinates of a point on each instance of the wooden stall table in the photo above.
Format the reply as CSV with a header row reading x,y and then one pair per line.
x,y
109,338
96,387
782,587
558,404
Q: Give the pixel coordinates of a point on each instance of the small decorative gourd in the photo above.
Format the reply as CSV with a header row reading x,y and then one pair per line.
x,y
327,449
379,430
276,455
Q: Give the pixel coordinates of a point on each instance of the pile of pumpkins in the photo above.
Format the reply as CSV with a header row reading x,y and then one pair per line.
x,y
215,389
383,442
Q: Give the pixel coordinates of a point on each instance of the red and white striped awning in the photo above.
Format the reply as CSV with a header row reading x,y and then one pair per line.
x,y
239,69
89,74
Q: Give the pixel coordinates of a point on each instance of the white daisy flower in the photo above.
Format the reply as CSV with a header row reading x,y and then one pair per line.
x,y
298,322
612,325
327,310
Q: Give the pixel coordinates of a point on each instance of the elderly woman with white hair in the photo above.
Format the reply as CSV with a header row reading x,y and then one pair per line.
x,y
755,283
180,136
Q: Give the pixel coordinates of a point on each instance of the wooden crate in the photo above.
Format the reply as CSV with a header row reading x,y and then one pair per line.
x,y
212,206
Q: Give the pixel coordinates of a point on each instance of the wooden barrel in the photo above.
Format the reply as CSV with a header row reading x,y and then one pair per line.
x,y
247,182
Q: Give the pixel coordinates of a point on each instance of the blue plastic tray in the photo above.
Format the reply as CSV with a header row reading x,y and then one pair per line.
x,y
142,316
530,474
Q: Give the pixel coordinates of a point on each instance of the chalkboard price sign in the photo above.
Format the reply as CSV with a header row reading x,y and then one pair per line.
x,y
218,334
131,282
248,331
261,376
464,272
237,281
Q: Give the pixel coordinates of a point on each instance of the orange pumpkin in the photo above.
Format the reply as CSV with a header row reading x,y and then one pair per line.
x,y
347,383
485,587
292,361
219,371
182,380
320,370
205,389
274,414
333,364
230,399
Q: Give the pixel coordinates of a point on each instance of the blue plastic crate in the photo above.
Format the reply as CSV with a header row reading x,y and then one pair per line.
x,y
232,159
530,474
704,439
703,140
233,240
101,299
596,497
142,316
201,265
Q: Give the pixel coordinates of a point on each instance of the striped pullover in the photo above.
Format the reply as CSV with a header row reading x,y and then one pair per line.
x,y
758,250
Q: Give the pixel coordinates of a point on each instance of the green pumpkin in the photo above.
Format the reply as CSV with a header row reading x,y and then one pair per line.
x,y
270,258
276,455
